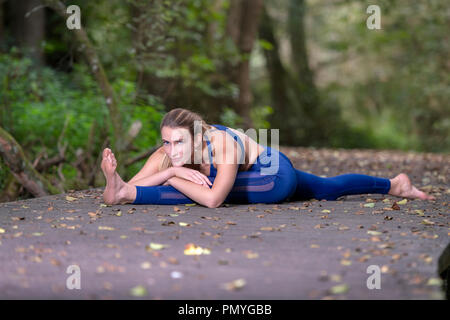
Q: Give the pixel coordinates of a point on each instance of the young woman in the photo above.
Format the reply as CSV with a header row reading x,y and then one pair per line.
x,y
203,168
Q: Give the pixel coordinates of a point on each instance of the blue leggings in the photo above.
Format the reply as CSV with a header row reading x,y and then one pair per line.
x,y
284,183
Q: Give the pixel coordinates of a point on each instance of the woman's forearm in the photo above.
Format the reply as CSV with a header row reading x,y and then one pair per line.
x,y
153,180
199,193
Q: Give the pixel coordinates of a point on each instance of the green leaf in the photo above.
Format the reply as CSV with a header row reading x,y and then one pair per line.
x,y
339,289
138,291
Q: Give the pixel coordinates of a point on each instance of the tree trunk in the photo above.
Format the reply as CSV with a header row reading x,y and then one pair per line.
x,y
28,27
306,89
212,27
1,22
278,78
242,27
21,168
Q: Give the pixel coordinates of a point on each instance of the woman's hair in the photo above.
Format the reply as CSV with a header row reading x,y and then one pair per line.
x,y
180,118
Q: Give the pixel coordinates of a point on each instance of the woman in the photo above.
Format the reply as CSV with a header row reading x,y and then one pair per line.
x,y
189,169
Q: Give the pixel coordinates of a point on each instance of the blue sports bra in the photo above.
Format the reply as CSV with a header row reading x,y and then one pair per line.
x,y
213,170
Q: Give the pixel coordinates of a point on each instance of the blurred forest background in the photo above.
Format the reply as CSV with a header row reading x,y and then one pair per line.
x,y
311,68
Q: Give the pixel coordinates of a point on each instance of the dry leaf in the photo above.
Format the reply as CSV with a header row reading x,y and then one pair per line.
x,y
105,228
192,249
234,285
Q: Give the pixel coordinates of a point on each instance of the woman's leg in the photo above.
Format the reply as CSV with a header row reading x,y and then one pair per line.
x,y
310,186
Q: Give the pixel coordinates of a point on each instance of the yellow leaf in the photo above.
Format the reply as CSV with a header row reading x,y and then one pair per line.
x,y
234,285
192,249
69,198
2,230
157,246
105,228
404,201
345,262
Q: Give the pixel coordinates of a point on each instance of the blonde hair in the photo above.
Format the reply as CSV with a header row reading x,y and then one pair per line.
x,y
180,118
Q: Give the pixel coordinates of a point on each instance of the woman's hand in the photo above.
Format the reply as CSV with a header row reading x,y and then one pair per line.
x,y
191,175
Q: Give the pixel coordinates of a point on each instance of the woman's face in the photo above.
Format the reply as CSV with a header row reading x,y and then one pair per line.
x,y
177,144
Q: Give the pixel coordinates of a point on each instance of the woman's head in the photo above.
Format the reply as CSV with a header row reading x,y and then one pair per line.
x,y
180,137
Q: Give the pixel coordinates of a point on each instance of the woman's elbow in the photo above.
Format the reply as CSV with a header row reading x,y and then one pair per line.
x,y
214,203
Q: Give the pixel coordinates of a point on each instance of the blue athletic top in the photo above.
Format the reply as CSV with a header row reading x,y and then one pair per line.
x,y
213,170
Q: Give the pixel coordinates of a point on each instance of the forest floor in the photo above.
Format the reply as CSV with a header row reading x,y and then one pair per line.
x,y
293,250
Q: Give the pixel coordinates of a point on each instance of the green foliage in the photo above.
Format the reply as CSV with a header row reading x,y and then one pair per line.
x,y
395,81
37,103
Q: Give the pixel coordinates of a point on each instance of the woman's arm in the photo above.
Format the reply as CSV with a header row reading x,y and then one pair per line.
x,y
227,168
211,198
155,179
149,175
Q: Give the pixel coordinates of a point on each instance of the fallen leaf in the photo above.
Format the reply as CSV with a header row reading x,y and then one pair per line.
x,y
374,233
105,228
345,262
69,198
138,291
234,285
192,249
434,282
404,201
251,255
146,265
339,289
427,222
184,224
156,246
369,205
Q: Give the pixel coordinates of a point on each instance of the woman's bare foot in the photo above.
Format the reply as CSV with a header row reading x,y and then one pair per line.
x,y
401,186
116,191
